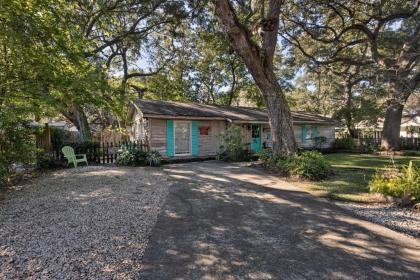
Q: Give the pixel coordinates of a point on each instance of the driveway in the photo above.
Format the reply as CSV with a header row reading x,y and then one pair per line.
x,y
226,221
85,223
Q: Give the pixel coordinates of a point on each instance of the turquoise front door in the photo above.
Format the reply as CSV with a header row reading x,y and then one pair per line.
x,y
256,138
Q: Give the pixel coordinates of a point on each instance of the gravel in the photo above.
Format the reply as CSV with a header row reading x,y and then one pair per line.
x,y
85,223
404,220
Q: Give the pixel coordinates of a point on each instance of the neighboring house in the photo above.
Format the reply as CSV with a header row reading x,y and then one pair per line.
x,y
410,126
190,129
63,125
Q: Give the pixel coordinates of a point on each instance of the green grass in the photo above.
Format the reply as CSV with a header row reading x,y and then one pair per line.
x,y
365,161
352,173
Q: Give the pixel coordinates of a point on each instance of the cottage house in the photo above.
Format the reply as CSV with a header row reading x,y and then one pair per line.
x,y
193,130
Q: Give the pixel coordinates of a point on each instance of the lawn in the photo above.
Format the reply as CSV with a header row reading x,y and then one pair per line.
x,y
352,173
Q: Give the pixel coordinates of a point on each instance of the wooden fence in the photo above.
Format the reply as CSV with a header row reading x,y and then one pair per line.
x,y
99,153
406,143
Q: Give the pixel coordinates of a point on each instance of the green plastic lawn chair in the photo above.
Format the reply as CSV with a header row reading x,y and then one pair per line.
x,y
71,157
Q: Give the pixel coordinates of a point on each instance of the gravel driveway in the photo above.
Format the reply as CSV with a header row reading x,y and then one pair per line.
x,y
90,222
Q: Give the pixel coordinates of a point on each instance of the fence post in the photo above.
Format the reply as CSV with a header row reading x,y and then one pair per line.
x,y
112,154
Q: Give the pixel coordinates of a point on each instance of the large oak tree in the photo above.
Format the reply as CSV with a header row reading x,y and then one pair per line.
x,y
257,52
328,31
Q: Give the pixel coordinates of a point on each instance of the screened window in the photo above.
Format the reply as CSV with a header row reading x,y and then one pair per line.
x,y
182,137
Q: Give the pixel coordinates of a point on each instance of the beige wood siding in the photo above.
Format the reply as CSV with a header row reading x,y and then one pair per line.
x,y
327,131
208,145
158,135
323,130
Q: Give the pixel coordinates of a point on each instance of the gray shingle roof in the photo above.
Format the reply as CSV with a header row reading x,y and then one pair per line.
x,y
155,108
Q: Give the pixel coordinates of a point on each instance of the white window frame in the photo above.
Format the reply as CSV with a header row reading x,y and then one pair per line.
x,y
190,152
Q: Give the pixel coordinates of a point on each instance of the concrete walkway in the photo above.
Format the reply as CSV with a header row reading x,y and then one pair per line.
x,y
224,221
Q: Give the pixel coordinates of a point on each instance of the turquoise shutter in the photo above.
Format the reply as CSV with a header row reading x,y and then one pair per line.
x,y
170,138
194,140
303,134
314,132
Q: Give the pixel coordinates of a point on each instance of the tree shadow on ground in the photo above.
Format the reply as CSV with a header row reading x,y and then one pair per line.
x,y
228,222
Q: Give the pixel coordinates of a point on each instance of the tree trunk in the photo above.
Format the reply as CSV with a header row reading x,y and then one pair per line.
x,y
232,86
259,61
348,114
392,126
279,116
78,117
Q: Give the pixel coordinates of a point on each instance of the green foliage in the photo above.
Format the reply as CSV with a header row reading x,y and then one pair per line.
x,y
16,146
311,165
61,137
266,157
233,149
45,160
204,69
367,147
345,143
133,156
154,158
319,141
404,184
411,153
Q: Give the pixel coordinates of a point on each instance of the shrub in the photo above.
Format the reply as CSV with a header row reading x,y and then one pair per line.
x,y
404,184
367,146
411,153
132,157
319,141
266,157
137,157
16,147
346,143
233,149
4,173
311,165
45,160
154,158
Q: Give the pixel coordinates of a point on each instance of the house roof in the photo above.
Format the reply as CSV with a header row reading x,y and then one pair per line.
x,y
406,121
170,109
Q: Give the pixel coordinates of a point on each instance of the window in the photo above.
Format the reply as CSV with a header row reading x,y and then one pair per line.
x,y
255,131
309,133
182,137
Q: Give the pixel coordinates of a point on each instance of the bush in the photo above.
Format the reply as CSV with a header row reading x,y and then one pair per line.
x,y
368,146
154,158
137,157
404,184
319,141
311,165
4,173
233,149
16,147
267,159
346,143
132,157
45,160
411,153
